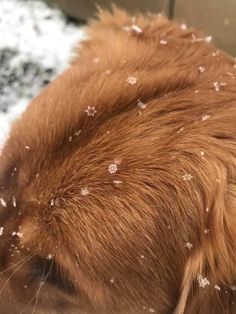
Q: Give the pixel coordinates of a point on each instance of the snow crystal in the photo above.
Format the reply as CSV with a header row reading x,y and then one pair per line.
x,y
203,281
117,181
1,231
217,85
151,310
141,105
113,168
202,153
188,245
183,27
180,130
217,287
207,39
134,28
214,54
187,177
84,191
27,147
17,233
206,117
132,80
207,209
3,203
206,231
91,111
77,133
13,201
201,69
112,280
49,257
163,42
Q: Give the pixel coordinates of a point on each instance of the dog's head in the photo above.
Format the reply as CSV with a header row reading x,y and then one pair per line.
x,y
103,204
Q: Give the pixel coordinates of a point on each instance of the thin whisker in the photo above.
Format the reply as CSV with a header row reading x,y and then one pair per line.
x,y
26,260
42,282
12,266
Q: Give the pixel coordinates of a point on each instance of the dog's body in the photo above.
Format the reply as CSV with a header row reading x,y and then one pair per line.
x,y
118,183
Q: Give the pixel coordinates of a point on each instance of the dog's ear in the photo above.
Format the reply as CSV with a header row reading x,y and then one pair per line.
x,y
209,281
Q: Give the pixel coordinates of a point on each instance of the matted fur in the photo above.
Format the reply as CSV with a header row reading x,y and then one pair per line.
x,y
103,205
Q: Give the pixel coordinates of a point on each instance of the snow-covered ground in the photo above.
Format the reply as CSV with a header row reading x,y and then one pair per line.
x,y
35,46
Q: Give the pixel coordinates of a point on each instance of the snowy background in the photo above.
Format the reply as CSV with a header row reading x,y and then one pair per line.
x,y
36,43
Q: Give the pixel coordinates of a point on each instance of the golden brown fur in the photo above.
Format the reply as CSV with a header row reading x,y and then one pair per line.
x,y
122,248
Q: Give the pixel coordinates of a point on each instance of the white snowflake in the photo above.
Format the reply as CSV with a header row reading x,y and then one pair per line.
x,y
202,281
112,280
1,231
151,310
180,130
141,105
117,181
17,233
163,42
207,209
202,153
188,245
201,69
52,202
84,191
3,203
207,39
132,80
183,27
13,201
113,168
91,111
204,118
206,231
217,287
187,177
77,133
217,86
134,28
49,257
214,54
27,147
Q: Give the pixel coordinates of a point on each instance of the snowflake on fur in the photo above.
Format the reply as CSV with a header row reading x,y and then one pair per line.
x,y
203,281
91,111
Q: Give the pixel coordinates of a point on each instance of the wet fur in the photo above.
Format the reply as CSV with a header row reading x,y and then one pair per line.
x,y
121,249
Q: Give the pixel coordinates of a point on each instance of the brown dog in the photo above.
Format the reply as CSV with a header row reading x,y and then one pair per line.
x,y
118,186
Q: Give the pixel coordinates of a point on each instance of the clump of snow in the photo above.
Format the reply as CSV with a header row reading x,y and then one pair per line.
x,y
187,177
35,46
163,42
134,28
203,281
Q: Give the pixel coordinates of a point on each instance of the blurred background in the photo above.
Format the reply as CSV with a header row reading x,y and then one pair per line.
x,y
37,36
